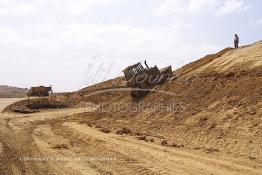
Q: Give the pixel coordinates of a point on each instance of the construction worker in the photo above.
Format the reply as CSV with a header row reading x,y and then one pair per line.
x,y
236,41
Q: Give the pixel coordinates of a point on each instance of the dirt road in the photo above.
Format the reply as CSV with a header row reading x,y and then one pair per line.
x,y
55,142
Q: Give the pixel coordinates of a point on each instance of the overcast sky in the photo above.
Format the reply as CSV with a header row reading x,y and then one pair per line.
x,y
64,42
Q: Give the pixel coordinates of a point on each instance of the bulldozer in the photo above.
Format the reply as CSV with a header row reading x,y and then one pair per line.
x,y
40,91
141,79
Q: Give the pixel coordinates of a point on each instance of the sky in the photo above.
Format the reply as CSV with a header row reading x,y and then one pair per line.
x,y
71,44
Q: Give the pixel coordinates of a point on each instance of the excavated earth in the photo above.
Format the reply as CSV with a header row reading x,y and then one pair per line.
x,y
205,120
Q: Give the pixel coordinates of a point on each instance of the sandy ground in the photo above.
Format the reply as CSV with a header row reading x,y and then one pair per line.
x,y
53,142
244,57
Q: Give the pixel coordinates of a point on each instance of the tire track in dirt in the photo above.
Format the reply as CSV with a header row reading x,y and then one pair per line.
x,y
18,143
87,146
152,157
58,133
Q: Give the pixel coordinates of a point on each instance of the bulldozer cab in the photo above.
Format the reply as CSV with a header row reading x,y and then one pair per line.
x,y
133,71
141,79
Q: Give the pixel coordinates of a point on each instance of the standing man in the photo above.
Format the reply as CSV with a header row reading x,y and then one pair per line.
x,y
236,41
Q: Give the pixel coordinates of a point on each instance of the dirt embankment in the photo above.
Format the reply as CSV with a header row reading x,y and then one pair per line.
x,y
59,142
216,106
201,62
213,103
37,104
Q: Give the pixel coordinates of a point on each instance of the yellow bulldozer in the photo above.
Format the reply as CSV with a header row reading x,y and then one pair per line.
x,y
141,79
39,91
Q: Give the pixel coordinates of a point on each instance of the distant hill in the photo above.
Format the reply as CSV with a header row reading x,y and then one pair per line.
x,y
12,92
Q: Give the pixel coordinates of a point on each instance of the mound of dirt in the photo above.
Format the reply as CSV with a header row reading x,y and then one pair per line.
x,y
214,103
201,62
34,105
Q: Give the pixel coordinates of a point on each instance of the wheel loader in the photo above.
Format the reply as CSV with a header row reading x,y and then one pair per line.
x,y
141,79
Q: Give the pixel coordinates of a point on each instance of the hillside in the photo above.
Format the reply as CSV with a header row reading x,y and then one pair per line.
x,y
217,106
12,92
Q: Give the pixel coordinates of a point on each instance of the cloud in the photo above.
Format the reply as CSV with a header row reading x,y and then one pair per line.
x,y
255,22
85,6
189,7
64,50
200,5
232,6
258,22
9,8
170,7
5,2
183,7
60,41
